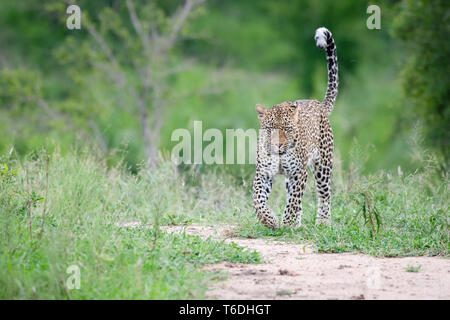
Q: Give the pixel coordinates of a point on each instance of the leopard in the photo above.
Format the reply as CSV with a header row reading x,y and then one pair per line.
x,y
292,137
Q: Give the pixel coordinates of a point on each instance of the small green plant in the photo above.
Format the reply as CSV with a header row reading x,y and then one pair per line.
x,y
364,197
410,268
7,174
13,193
284,292
34,198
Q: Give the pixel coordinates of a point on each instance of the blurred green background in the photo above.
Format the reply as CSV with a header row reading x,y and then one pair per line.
x,y
118,76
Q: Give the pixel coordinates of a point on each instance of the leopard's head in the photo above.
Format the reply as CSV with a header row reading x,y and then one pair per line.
x,y
277,127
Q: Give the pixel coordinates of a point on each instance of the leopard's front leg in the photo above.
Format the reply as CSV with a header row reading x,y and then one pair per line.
x,y
295,186
262,185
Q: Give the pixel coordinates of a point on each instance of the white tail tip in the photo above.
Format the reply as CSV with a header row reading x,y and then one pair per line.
x,y
321,37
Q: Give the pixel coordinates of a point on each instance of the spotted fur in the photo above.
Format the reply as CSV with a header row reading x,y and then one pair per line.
x,y
294,136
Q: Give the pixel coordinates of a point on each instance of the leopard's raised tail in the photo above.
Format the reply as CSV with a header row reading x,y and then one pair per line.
x,y
324,40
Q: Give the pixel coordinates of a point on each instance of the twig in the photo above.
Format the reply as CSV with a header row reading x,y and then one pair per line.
x,y
146,78
30,223
101,42
98,136
179,19
138,26
47,169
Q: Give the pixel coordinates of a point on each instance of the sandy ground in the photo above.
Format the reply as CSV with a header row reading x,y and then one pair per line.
x,y
293,271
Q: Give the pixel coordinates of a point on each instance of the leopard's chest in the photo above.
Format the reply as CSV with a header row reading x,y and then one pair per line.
x,y
291,164
288,164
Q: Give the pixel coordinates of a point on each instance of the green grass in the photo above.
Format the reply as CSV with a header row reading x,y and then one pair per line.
x,y
57,211
75,222
412,212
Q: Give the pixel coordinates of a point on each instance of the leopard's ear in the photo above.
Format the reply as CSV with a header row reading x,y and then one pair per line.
x,y
261,111
294,114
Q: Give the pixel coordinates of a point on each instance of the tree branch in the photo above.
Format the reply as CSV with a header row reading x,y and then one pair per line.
x,y
179,19
138,26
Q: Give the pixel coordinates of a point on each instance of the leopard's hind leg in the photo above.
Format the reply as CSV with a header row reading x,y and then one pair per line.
x,y
323,166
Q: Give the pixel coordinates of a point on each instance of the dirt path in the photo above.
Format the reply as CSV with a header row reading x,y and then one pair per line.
x,y
293,271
